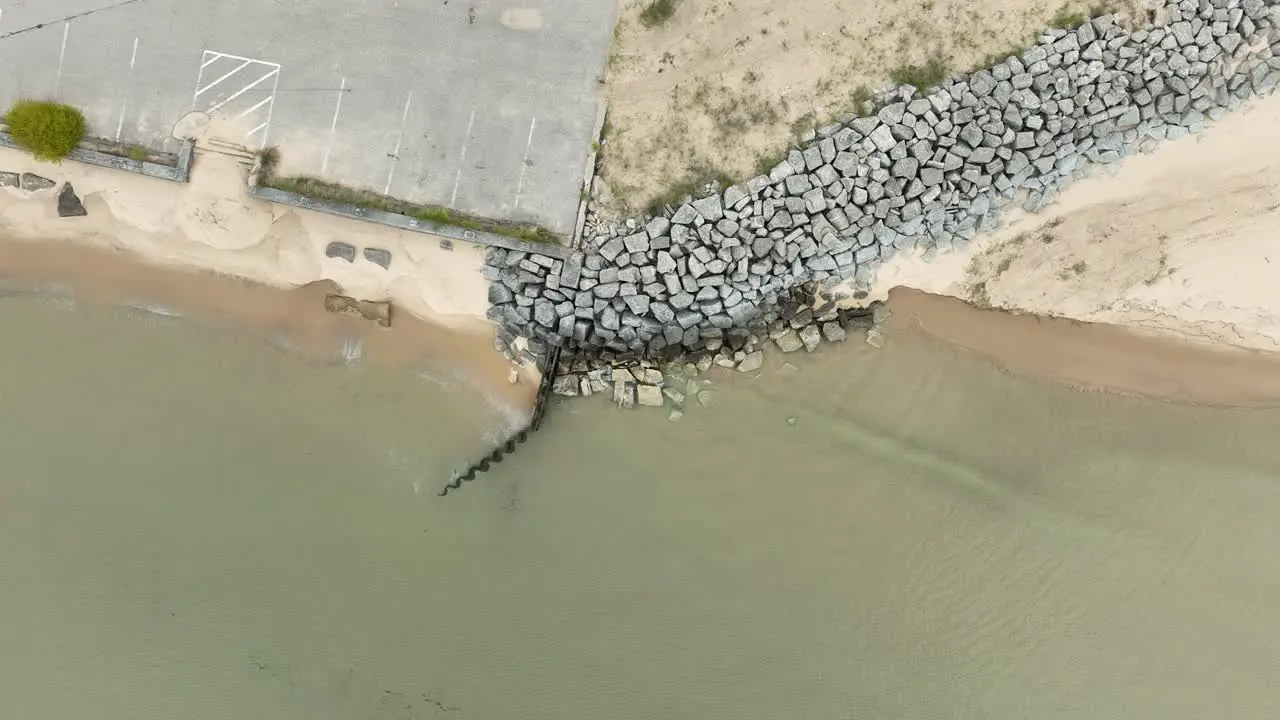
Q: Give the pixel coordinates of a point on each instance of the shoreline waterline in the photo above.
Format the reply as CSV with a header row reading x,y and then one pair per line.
x,y
1082,355
293,320
1095,356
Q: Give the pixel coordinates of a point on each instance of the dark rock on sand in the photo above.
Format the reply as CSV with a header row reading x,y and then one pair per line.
x,y
346,251
32,182
69,204
378,256
379,312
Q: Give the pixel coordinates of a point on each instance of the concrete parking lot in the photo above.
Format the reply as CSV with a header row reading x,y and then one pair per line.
x,y
485,106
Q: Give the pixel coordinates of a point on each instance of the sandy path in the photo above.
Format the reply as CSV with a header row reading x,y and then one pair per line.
x,y
723,86
1181,242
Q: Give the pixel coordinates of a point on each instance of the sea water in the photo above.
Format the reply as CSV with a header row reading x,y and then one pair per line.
x,y
196,524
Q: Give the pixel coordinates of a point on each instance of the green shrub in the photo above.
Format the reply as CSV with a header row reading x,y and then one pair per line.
x,y
921,77
268,161
658,12
1066,19
48,130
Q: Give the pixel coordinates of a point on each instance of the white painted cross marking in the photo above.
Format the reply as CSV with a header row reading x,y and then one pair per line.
x,y
462,158
62,54
524,164
395,154
238,68
128,86
333,127
214,99
259,104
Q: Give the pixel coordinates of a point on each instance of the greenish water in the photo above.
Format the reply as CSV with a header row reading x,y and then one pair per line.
x,y
193,525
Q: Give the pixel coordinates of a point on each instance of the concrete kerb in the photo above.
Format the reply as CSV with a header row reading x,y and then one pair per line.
x,y
404,222
180,173
589,174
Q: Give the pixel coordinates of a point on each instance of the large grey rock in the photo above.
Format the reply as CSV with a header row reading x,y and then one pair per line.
x,y
788,341
612,249
658,226
638,242
752,362
378,256
500,294
811,337
624,393
544,313
341,250
883,138
684,215
34,183
734,195
649,395
566,385
69,204
709,208
9,179
638,304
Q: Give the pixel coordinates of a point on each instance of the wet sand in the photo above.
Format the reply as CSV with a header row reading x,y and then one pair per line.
x,y
294,317
1093,355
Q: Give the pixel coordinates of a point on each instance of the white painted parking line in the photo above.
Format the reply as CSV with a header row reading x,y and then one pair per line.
x,y
62,54
395,154
127,88
266,126
524,163
462,158
333,126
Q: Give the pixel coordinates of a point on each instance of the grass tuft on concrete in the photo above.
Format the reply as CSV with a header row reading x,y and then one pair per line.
x,y
48,130
317,189
268,161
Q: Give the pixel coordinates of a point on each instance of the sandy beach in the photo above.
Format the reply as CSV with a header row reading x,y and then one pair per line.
x,y
211,252
213,224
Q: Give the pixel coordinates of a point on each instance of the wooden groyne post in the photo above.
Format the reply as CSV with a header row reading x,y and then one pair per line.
x,y
550,365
